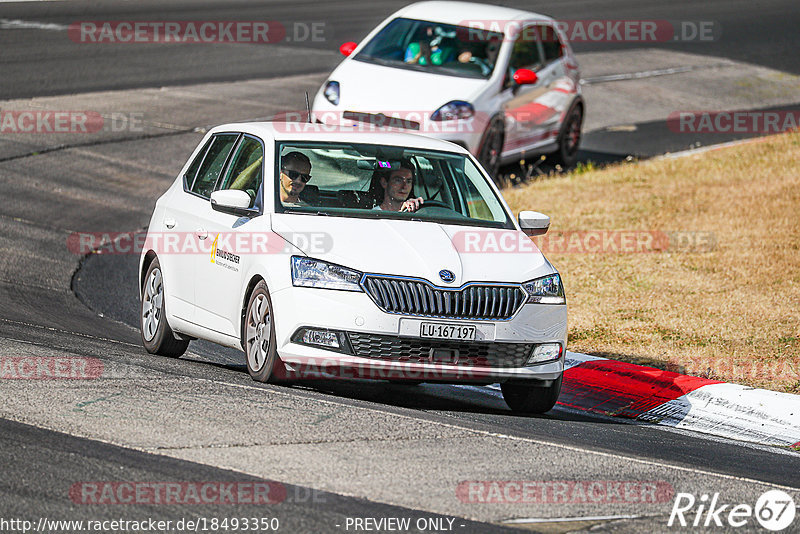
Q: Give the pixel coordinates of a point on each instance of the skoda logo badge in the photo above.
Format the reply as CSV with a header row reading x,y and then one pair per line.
x,y
446,276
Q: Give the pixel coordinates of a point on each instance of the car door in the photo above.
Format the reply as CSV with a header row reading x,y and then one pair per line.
x,y
183,237
531,112
234,239
559,82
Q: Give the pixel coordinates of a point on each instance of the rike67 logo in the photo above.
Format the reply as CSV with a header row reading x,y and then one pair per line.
x,y
774,510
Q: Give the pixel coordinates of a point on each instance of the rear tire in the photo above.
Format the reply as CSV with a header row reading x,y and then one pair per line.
x,y
258,336
524,398
157,336
569,138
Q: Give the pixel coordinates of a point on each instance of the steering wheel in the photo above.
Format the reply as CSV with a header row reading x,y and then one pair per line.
x,y
484,65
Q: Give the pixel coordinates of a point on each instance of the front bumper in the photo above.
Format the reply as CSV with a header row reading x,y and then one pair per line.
x,y
466,133
388,346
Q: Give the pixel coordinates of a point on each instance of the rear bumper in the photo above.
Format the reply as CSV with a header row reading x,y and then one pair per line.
x,y
466,133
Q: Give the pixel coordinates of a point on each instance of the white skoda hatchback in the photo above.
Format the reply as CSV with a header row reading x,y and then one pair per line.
x,y
501,82
330,252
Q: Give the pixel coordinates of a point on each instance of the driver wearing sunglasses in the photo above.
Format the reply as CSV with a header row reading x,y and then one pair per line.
x,y
295,174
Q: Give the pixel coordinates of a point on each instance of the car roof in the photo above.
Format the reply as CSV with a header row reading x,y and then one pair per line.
x,y
459,13
304,131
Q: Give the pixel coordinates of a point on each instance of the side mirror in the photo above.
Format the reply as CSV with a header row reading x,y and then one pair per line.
x,y
232,201
347,48
525,77
534,223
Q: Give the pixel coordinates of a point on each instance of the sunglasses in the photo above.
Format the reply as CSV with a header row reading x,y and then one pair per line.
x,y
294,175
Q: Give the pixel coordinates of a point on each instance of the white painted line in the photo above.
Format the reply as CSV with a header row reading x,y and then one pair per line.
x,y
573,359
500,435
567,519
649,73
16,24
709,148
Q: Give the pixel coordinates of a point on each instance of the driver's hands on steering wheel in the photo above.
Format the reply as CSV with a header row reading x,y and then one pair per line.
x,y
412,204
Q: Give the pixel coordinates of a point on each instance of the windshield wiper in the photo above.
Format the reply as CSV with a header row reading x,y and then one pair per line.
x,y
374,59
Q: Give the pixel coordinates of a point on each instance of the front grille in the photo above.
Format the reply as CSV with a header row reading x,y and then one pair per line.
x,y
397,349
381,120
417,297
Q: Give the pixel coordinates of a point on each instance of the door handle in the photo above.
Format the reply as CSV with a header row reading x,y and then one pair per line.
x,y
169,222
201,233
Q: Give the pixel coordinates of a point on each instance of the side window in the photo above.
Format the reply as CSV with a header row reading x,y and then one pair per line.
x,y
245,170
550,44
212,164
526,52
191,172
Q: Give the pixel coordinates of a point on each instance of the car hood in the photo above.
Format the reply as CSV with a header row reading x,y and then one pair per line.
x,y
413,248
366,87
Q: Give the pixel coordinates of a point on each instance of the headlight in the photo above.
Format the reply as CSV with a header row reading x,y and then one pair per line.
x,y
332,92
457,109
308,272
545,290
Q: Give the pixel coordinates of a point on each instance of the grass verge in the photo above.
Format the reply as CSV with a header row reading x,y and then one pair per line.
x,y
709,282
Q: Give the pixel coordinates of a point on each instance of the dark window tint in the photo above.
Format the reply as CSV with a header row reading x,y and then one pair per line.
x,y
212,164
191,172
244,172
525,54
551,44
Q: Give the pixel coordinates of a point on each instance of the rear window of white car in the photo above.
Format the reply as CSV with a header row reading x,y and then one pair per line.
x,y
348,180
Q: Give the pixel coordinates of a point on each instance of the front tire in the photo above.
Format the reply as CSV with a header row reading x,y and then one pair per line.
x,y
157,336
524,398
258,335
491,148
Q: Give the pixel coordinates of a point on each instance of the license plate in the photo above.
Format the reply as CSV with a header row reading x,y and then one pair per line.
x,y
459,332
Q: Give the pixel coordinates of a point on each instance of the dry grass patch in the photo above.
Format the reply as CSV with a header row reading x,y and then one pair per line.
x,y
732,312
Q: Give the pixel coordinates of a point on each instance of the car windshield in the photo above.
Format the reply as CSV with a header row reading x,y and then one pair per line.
x,y
434,47
355,180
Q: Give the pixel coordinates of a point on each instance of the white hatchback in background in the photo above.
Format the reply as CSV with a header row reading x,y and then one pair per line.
x,y
271,240
501,82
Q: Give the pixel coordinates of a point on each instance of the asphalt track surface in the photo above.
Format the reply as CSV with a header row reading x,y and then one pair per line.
x,y
28,448
50,306
36,62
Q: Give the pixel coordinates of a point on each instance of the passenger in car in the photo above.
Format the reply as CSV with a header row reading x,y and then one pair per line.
x,y
430,49
295,174
392,189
